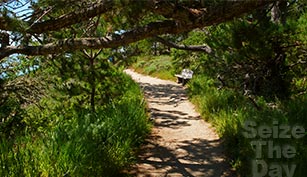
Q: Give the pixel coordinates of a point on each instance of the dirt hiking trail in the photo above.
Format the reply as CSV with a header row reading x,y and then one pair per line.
x,y
181,143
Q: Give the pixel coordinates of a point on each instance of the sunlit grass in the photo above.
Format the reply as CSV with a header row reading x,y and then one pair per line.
x,y
228,111
156,66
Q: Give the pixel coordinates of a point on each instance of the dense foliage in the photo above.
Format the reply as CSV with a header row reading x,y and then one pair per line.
x,y
255,57
67,114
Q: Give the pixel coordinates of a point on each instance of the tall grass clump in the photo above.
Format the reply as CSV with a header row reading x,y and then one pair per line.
x,y
78,142
228,111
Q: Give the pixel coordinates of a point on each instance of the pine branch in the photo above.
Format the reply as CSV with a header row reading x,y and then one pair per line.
x,y
183,19
196,48
111,41
72,18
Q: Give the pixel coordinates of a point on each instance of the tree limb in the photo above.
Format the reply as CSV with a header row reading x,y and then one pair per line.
x,y
211,11
196,48
72,18
190,20
203,16
112,41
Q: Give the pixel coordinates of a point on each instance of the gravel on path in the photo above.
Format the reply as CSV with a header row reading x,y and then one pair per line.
x,y
181,143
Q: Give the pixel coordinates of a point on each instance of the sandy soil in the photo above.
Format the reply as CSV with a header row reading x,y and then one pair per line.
x,y
181,143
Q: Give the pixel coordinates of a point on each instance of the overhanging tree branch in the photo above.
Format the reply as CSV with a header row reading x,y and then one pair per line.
x,y
112,41
196,48
210,11
219,12
190,20
72,18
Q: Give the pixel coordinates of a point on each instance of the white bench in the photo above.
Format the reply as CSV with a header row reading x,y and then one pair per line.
x,y
185,76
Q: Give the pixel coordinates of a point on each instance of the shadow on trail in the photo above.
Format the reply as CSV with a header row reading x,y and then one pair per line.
x,y
173,156
161,157
171,119
173,93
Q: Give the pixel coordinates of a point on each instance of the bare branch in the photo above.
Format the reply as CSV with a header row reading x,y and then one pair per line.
x,y
196,48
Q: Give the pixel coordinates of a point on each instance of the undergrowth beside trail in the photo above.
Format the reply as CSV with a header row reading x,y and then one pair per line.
x,y
62,140
156,66
229,112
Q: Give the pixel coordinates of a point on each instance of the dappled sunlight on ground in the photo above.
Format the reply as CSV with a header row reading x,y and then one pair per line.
x,y
181,143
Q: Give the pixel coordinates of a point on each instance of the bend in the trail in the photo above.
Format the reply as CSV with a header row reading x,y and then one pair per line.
x,y
181,143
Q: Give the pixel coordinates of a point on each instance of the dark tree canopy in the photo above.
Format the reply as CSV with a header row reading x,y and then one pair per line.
x,y
30,29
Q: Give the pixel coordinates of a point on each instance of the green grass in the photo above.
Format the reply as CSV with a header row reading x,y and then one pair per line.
x,y
76,142
156,66
228,111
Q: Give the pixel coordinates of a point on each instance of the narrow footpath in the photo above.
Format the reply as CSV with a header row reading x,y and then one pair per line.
x,y
181,143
